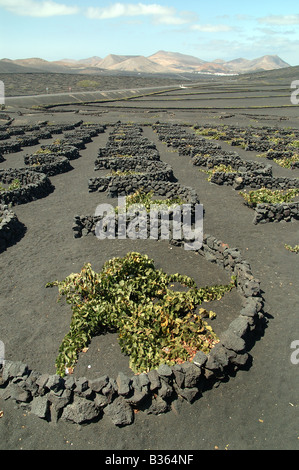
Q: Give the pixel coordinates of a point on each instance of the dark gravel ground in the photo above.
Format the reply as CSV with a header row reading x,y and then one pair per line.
x,y
255,410
22,84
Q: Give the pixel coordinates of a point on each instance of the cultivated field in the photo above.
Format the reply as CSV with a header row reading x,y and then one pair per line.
x,y
254,404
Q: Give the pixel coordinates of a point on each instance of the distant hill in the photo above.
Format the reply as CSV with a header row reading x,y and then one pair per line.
x,y
113,60
42,65
267,62
239,65
186,63
281,76
160,62
8,66
90,62
176,61
139,64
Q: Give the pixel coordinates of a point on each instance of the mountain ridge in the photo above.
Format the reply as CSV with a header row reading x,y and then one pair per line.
x,y
160,62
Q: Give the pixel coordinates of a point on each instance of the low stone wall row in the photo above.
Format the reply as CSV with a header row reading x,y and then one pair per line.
x,y
254,180
128,140
177,137
49,164
107,157
11,229
121,185
63,149
254,138
12,130
4,135
234,161
206,153
57,129
34,185
137,163
85,134
10,147
151,226
79,400
147,183
78,137
147,150
266,213
86,224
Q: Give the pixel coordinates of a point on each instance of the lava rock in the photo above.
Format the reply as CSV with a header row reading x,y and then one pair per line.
x,y
80,411
120,412
40,407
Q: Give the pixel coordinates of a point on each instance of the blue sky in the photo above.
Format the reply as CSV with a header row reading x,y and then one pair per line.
x,y
77,29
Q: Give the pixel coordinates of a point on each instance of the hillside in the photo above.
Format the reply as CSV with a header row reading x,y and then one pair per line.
x,y
175,61
267,62
112,60
42,65
8,66
285,75
139,64
89,62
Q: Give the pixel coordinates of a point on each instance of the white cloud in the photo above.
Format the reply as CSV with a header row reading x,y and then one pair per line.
x,y
280,19
37,9
161,14
212,28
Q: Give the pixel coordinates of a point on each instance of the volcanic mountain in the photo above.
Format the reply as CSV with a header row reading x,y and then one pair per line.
x,y
160,62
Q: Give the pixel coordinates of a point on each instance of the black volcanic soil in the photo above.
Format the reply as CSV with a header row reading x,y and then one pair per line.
x,y
22,84
256,409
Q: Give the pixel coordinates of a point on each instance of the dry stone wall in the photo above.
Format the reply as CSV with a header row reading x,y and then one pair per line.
x,y
127,151
247,174
11,229
49,164
80,400
265,213
23,185
33,185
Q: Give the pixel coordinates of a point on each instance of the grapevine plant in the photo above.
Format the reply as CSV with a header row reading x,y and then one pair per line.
x,y
146,199
156,324
16,184
268,196
293,249
219,168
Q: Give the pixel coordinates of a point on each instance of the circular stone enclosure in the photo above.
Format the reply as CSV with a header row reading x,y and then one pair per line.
x,y
22,186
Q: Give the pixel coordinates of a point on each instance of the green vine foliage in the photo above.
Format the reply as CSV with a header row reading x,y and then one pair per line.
x,y
293,249
16,184
155,323
264,195
219,168
147,200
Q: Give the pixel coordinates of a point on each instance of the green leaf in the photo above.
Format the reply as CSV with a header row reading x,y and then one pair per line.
x,y
130,296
